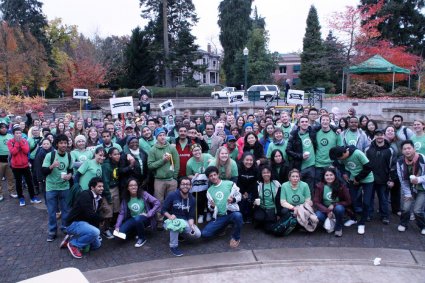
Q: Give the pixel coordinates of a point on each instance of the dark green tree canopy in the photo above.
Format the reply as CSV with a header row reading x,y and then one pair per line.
x,y
314,67
405,25
27,14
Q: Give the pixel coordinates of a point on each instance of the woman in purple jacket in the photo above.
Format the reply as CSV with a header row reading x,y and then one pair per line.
x,y
137,211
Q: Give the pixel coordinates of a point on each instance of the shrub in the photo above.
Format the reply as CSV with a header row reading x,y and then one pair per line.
x,y
403,91
364,90
17,104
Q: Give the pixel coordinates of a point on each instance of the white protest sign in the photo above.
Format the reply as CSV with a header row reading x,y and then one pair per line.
x,y
166,106
295,97
237,98
121,105
80,93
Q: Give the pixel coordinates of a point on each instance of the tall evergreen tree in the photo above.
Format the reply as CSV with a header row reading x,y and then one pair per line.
x,y
181,16
405,24
235,23
335,55
314,68
28,15
139,62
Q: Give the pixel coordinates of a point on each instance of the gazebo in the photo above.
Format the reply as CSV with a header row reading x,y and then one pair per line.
x,y
374,65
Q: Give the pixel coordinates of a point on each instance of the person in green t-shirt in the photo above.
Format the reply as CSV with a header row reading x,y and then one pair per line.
x,y
331,199
357,172
80,154
58,173
265,205
223,197
227,167
137,211
418,138
294,193
91,168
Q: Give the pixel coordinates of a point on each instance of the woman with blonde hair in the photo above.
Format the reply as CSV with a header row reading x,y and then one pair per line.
x,y
227,167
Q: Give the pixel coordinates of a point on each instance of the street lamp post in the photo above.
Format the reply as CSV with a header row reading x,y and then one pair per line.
x,y
245,54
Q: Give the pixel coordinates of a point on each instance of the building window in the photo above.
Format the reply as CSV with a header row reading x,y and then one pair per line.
x,y
297,68
282,69
204,78
214,63
204,61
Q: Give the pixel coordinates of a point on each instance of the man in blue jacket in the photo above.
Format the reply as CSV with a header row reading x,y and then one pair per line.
x,y
180,205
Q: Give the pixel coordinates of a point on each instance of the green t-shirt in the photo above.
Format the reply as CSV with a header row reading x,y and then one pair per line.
x,y
4,150
33,144
193,166
54,182
88,170
220,194
6,120
287,131
222,170
351,138
234,154
281,147
107,148
297,196
81,156
307,146
419,143
267,196
354,164
146,145
326,141
327,196
136,206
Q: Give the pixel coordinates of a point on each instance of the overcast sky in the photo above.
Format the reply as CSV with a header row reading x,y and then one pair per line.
x,y
285,19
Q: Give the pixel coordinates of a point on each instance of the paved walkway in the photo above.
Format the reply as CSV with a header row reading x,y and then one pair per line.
x,y
24,252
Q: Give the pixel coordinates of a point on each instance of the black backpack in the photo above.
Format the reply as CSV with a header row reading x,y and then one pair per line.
x,y
53,155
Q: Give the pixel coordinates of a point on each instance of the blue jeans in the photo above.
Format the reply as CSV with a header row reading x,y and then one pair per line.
x,y
55,200
213,227
84,234
187,233
356,198
383,193
137,224
339,211
418,203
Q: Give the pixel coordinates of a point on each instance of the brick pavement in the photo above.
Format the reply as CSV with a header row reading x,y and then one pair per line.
x,y
24,252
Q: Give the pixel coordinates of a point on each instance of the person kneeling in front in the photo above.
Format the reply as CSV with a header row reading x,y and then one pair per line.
x,y
83,220
179,209
223,197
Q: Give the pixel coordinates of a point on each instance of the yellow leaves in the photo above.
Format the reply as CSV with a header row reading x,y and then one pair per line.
x,y
18,104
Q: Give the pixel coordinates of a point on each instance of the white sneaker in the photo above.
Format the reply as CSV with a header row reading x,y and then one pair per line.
x,y
201,219
401,228
209,217
350,222
412,217
360,229
423,231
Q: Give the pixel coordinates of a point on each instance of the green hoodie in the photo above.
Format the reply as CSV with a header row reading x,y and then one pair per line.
x,y
162,170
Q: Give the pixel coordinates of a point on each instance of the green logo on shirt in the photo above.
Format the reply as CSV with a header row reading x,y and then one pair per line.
x,y
267,193
329,196
61,166
307,142
351,165
352,142
295,198
219,195
135,207
82,158
418,145
98,173
324,141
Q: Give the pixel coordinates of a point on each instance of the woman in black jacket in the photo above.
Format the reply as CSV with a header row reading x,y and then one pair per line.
x,y
280,168
46,147
253,145
247,183
133,163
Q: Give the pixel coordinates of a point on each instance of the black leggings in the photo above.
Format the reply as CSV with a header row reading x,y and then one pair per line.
x,y
201,202
26,173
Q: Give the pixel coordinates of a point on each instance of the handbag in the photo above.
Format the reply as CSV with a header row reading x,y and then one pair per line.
x,y
284,226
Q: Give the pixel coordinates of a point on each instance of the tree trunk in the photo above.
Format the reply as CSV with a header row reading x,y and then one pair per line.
x,y
166,44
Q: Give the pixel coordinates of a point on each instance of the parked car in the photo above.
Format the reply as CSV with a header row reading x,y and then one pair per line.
x,y
224,93
267,92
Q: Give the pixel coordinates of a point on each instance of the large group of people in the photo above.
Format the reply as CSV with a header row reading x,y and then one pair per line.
x,y
117,177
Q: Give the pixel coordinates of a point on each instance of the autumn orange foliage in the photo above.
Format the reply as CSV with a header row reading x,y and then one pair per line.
x,y
17,104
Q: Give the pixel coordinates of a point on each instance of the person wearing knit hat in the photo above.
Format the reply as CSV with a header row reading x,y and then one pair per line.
x,y
164,162
80,154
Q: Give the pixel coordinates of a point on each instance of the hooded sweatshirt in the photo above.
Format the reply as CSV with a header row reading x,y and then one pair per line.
x,y
164,170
